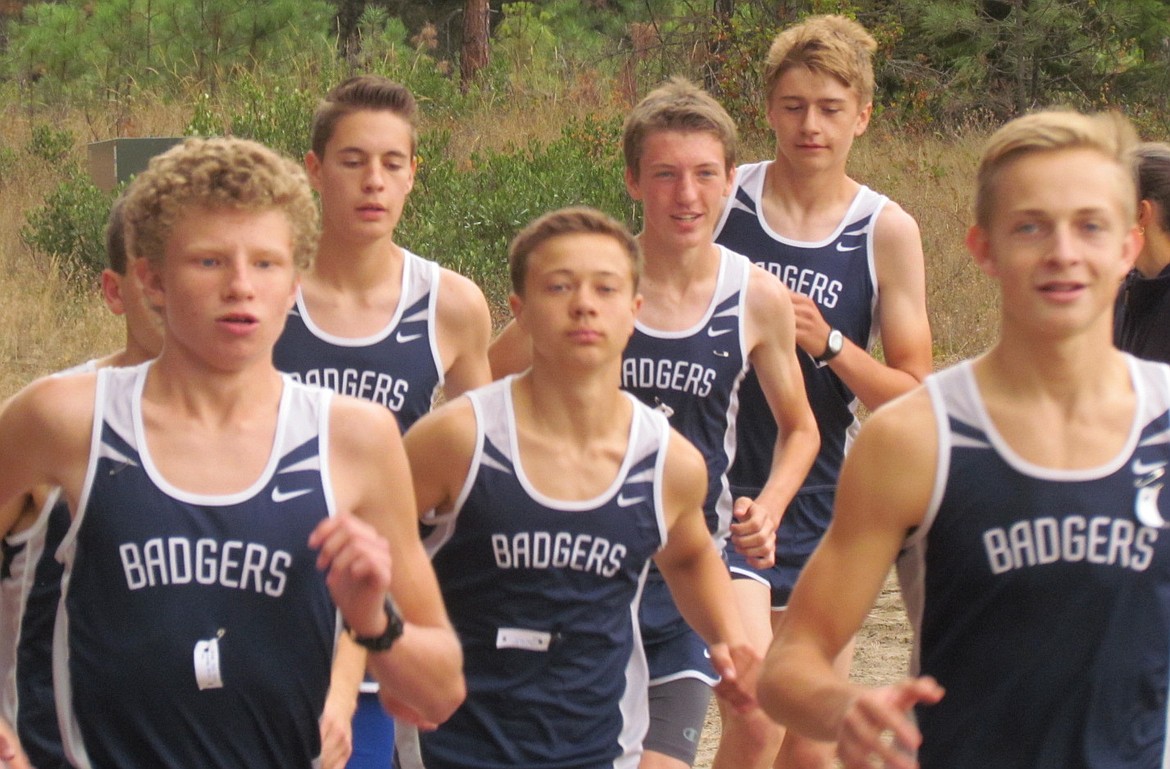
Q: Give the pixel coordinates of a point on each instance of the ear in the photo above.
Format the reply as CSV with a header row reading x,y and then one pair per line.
x,y
313,169
413,171
632,185
516,305
730,181
112,291
863,120
1145,217
980,248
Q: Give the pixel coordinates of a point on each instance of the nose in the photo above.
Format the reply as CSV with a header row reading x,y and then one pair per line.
x,y
809,122
238,281
687,187
584,302
1064,245
373,177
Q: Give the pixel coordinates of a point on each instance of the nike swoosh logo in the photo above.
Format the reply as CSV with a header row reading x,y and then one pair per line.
x,y
843,247
624,501
279,496
402,338
721,353
714,332
1142,468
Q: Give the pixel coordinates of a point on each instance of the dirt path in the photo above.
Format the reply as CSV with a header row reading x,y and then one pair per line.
x,y
883,650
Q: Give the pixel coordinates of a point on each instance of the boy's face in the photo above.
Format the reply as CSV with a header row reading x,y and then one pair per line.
x,y
579,303
682,181
815,118
1059,239
225,285
365,175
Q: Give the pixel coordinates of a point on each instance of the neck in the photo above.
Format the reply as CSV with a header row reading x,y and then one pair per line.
x,y
799,190
666,265
355,265
1155,255
580,406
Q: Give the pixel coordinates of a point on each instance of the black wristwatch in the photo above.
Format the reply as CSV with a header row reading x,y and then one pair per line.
x,y
393,631
833,346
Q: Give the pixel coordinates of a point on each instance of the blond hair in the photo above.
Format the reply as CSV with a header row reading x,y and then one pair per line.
x,y
220,174
1108,133
677,105
574,220
830,44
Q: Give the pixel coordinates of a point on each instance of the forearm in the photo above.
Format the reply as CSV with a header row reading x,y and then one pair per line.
x,y
701,588
800,688
872,381
349,667
424,668
792,456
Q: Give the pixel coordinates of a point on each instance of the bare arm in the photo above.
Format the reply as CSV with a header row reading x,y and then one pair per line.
x,y
44,441
464,328
349,665
771,333
510,352
884,490
698,578
11,754
372,481
903,324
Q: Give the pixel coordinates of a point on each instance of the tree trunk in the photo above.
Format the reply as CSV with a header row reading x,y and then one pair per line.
x,y
717,45
474,53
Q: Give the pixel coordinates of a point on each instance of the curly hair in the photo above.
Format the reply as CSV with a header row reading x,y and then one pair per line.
x,y
222,173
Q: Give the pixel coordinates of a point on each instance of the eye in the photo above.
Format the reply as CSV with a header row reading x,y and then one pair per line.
x,y
208,261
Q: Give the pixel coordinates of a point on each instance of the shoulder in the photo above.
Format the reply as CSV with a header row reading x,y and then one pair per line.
x,y
360,424
769,305
462,308
896,232
452,428
893,461
685,469
460,291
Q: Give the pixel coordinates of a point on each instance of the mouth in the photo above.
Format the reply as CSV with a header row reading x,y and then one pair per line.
x,y
239,320
1062,288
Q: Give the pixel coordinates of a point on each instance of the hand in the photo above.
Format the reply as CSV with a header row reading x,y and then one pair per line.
x,y
357,560
11,755
754,533
336,733
876,724
739,671
404,713
812,331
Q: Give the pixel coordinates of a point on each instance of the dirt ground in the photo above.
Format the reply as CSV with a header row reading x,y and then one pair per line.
x,y
883,651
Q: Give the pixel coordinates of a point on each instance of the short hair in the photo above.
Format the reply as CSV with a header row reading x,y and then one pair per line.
x,y
116,237
677,105
1108,133
1153,163
830,44
362,92
221,174
573,220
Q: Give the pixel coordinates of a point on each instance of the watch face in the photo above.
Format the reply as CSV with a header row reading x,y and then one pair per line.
x,y
836,342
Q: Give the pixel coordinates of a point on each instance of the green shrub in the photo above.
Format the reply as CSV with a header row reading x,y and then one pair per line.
x,y
50,144
465,218
70,229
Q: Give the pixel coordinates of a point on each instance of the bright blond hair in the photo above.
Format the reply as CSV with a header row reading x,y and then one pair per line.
x,y
830,44
220,174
